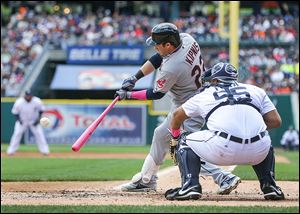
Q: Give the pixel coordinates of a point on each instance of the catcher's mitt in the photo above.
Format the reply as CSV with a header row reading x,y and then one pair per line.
x,y
174,144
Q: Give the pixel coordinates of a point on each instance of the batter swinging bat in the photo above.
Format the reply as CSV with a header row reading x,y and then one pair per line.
x,y
89,131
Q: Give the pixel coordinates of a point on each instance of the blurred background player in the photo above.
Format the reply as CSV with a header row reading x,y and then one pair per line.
x,y
179,66
28,111
290,139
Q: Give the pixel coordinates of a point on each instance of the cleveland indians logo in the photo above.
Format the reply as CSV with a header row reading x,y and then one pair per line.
x,y
161,83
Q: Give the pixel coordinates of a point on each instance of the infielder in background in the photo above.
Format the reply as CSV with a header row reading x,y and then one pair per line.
x,y
179,66
290,139
237,117
28,111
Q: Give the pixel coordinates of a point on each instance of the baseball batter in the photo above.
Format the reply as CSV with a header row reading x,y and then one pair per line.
x,y
237,117
179,66
28,110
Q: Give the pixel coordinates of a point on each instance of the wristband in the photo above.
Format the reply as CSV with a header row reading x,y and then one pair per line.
x,y
175,132
139,75
139,95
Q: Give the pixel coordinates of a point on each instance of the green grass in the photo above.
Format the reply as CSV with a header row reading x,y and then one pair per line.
x,y
283,171
58,169
67,169
145,209
85,148
64,169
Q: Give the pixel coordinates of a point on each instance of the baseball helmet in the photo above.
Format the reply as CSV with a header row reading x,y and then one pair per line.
x,y
224,72
162,33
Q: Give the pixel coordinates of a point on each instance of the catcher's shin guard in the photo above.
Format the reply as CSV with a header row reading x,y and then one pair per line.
x,y
265,172
189,166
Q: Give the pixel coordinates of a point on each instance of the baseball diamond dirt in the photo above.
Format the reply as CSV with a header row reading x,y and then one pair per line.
x,y
108,192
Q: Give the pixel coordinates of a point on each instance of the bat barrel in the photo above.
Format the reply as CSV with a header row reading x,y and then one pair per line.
x,y
89,131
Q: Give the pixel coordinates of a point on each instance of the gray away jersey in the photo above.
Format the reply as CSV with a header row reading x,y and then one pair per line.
x,y
180,72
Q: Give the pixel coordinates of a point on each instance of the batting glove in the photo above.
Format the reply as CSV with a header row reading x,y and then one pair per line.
x,y
172,149
129,83
122,94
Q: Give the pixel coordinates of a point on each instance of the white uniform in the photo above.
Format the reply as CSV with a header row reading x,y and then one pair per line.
x,y
290,137
28,113
240,122
180,77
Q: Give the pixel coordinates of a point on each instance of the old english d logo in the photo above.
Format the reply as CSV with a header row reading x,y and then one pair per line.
x,y
161,83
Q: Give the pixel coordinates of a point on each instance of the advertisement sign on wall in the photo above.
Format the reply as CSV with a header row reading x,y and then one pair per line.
x,y
87,77
106,55
124,125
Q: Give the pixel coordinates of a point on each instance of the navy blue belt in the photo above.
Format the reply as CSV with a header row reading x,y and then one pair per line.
x,y
241,140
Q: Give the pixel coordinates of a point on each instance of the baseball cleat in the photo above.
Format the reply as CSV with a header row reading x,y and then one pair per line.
x,y
137,187
189,193
140,186
228,185
272,192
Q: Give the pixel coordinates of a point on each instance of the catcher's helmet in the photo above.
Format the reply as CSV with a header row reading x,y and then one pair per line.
x,y
224,72
162,33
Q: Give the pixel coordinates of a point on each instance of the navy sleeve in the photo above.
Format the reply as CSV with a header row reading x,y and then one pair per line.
x,y
156,60
153,96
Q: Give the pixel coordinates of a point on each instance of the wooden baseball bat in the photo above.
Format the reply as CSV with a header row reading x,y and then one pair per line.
x,y
90,130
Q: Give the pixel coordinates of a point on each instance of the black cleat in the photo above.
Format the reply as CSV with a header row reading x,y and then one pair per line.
x,y
189,193
272,192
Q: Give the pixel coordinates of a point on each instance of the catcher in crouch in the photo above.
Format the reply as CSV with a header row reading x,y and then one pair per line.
x,y
237,117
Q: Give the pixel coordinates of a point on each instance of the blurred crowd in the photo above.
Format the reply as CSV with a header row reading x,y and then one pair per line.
x,y
23,39
274,68
253,28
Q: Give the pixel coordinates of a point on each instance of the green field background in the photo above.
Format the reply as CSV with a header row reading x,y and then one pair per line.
x,y
72,169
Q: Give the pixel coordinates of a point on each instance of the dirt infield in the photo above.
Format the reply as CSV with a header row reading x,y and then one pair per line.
x,y
108,193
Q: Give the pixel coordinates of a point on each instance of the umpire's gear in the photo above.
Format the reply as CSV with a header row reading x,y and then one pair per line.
x,y
163,33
